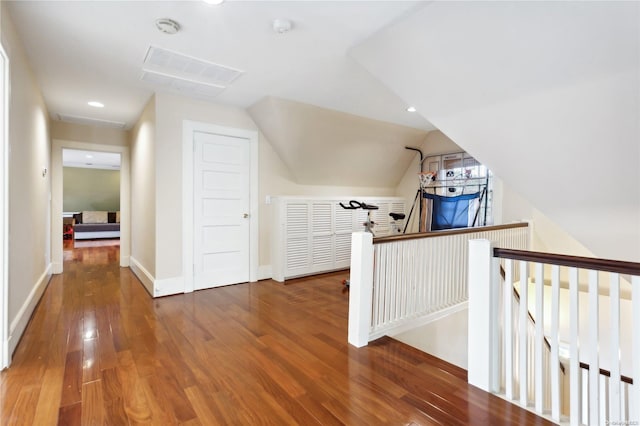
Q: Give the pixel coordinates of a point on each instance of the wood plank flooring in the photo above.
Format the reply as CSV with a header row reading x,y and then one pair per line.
x,y
99,350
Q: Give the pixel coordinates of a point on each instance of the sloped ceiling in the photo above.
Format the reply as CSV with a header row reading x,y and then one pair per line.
x,y
547,94
326,147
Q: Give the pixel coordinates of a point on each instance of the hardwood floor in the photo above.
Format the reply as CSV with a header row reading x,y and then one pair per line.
x,y
99,350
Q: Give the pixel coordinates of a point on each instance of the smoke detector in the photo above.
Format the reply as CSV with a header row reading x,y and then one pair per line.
x,y
281,26
167,26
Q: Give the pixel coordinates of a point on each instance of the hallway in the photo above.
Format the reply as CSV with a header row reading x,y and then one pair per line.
x,y
99,350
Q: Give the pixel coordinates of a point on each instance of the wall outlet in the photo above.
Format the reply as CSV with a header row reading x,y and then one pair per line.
x,y
267,199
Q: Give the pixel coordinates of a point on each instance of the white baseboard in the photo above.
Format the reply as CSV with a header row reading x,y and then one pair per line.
x,y
19,323
264,272
143,275
168,286
56,268
418,322
124,261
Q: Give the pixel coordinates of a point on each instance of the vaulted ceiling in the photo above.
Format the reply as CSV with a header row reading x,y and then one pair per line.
x,y
323,146
95,50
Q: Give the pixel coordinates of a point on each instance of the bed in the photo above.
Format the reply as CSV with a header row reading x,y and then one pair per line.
x,y
96,224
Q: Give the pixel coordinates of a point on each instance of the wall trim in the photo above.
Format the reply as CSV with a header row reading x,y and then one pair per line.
x,y
188,129
143,275
168,286
419,322
20,322
5,357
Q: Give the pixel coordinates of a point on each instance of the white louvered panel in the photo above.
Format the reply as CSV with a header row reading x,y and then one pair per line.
x,y
343,226
359,217
322,253
381,231
343,219
380,216
297,239
396,208
297,255
321,218
343,250
297,222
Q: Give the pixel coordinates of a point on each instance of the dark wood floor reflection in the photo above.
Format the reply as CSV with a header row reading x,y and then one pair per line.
x,y
99,350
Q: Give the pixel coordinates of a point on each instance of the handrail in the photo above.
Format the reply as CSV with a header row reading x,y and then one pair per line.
x,y
607,265
517,295
607,373
432,234
618,266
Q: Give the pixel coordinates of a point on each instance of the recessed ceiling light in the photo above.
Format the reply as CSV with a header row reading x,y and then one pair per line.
x,y
214,2
89,156
411,109
96,104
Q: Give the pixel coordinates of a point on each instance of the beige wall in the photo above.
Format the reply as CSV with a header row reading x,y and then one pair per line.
x,y
90,189
144,189
29,190
547,236
90,134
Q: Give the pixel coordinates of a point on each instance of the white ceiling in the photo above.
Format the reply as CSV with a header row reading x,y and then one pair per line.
x,y
90,159
94,50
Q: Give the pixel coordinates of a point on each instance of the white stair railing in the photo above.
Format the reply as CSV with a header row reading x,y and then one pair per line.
x,y
401,282
600,331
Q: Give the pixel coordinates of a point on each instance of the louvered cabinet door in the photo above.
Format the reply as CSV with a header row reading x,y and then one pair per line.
x,y
322,238
297,239
396,207
343,226
358,219
381,218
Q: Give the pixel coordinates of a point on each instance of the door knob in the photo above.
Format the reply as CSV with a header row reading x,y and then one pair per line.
x,y
246,215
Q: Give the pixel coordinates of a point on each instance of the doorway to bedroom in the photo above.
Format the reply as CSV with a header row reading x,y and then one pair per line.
x,y
90,201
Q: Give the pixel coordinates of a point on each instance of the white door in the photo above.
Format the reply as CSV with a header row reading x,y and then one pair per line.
x,y
221,210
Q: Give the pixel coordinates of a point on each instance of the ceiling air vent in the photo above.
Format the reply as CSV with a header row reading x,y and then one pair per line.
x,y
76,119
184,86
186,67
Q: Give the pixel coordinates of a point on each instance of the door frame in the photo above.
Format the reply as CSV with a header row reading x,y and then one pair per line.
x,y
57,198
4,209
188,129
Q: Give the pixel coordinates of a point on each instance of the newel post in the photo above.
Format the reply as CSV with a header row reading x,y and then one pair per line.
x,y
484,290
360,288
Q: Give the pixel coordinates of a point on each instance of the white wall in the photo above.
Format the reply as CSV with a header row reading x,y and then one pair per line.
x,y
143,196
29,191
546,94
